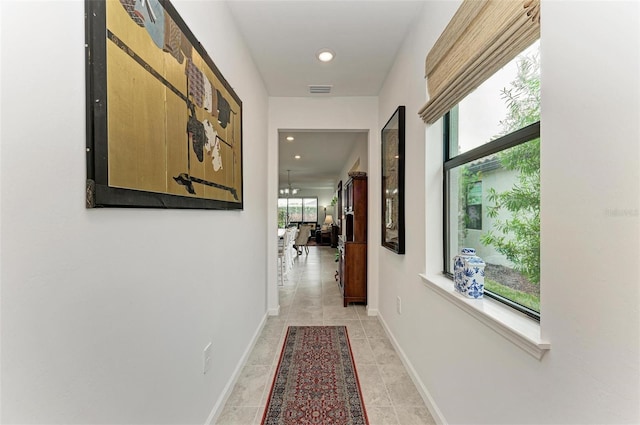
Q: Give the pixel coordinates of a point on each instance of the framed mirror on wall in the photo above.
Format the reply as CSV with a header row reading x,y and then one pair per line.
x,y
340,212
393,134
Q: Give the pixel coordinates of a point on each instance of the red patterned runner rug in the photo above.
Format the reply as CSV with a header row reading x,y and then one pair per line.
x,y
316,380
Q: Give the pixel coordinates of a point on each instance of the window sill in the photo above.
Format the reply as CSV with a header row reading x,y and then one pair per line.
x,y
517,328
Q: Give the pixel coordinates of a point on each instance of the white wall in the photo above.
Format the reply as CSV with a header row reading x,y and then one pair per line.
x,y
106,312
357,159
324,201
321,113
358,155
590,235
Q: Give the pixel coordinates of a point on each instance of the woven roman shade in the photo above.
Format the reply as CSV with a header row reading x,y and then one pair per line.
x,y
482,37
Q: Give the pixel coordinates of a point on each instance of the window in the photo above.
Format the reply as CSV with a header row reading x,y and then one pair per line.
x,y
492,181
310,209
474,205
297,210
283,220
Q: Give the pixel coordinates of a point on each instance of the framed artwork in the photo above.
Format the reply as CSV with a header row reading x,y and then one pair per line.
x,y
164,127
393,182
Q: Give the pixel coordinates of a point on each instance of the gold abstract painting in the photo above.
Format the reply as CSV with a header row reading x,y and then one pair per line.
x,y
164,126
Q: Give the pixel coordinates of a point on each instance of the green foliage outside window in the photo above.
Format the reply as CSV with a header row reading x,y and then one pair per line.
x,y
518,237
282,218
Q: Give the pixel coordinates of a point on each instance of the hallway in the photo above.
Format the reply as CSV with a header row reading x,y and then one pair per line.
x,y
310,296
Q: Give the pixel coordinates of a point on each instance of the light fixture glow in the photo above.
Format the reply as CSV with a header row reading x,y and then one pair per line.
x,y
288,190
290,138
326,55
297,157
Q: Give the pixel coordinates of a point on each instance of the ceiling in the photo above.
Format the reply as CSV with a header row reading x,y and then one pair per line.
x,y
284,37
322,157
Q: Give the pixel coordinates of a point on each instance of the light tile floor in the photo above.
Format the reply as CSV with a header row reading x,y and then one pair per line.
x,y
310,296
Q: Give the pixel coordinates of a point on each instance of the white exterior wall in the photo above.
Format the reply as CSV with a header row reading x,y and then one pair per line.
x,y
106,312
501,180
590,235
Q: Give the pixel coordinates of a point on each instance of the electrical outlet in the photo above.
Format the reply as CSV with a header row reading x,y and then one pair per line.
x,y
399,305
206,364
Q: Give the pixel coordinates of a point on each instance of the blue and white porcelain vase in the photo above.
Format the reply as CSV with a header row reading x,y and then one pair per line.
x,y
468,273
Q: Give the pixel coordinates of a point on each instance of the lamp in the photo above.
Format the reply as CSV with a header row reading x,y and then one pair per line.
x,y
288,190
328,220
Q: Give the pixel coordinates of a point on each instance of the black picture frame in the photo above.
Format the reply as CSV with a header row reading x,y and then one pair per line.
x,y
164,127
393,176
340,212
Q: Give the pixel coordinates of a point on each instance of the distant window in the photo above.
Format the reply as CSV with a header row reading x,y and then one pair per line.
x,y
297,210
283,220
310,209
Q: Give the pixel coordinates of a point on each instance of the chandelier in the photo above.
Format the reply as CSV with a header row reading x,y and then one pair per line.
x,y
288,190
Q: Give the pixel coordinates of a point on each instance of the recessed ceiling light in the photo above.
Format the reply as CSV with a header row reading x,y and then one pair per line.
x,y
297,157
290,138
325,55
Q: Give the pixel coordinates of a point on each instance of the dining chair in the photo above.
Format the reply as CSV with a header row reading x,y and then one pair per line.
x,y
302,240
283,243
291,232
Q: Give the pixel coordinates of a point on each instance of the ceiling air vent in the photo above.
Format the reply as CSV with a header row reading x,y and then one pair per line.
x,y
317,89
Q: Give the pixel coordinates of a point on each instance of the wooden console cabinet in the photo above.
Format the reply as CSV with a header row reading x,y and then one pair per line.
x,y
353,244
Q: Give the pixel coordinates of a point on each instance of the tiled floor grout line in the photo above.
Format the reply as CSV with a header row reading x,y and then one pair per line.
x,y
311,281
267,388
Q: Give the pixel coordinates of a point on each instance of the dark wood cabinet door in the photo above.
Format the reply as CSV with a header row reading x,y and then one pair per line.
x,y
356,210
353,267
355,272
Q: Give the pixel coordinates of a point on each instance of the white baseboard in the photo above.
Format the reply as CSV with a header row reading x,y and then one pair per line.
x,y
226,392
274,311
372,311
422,389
